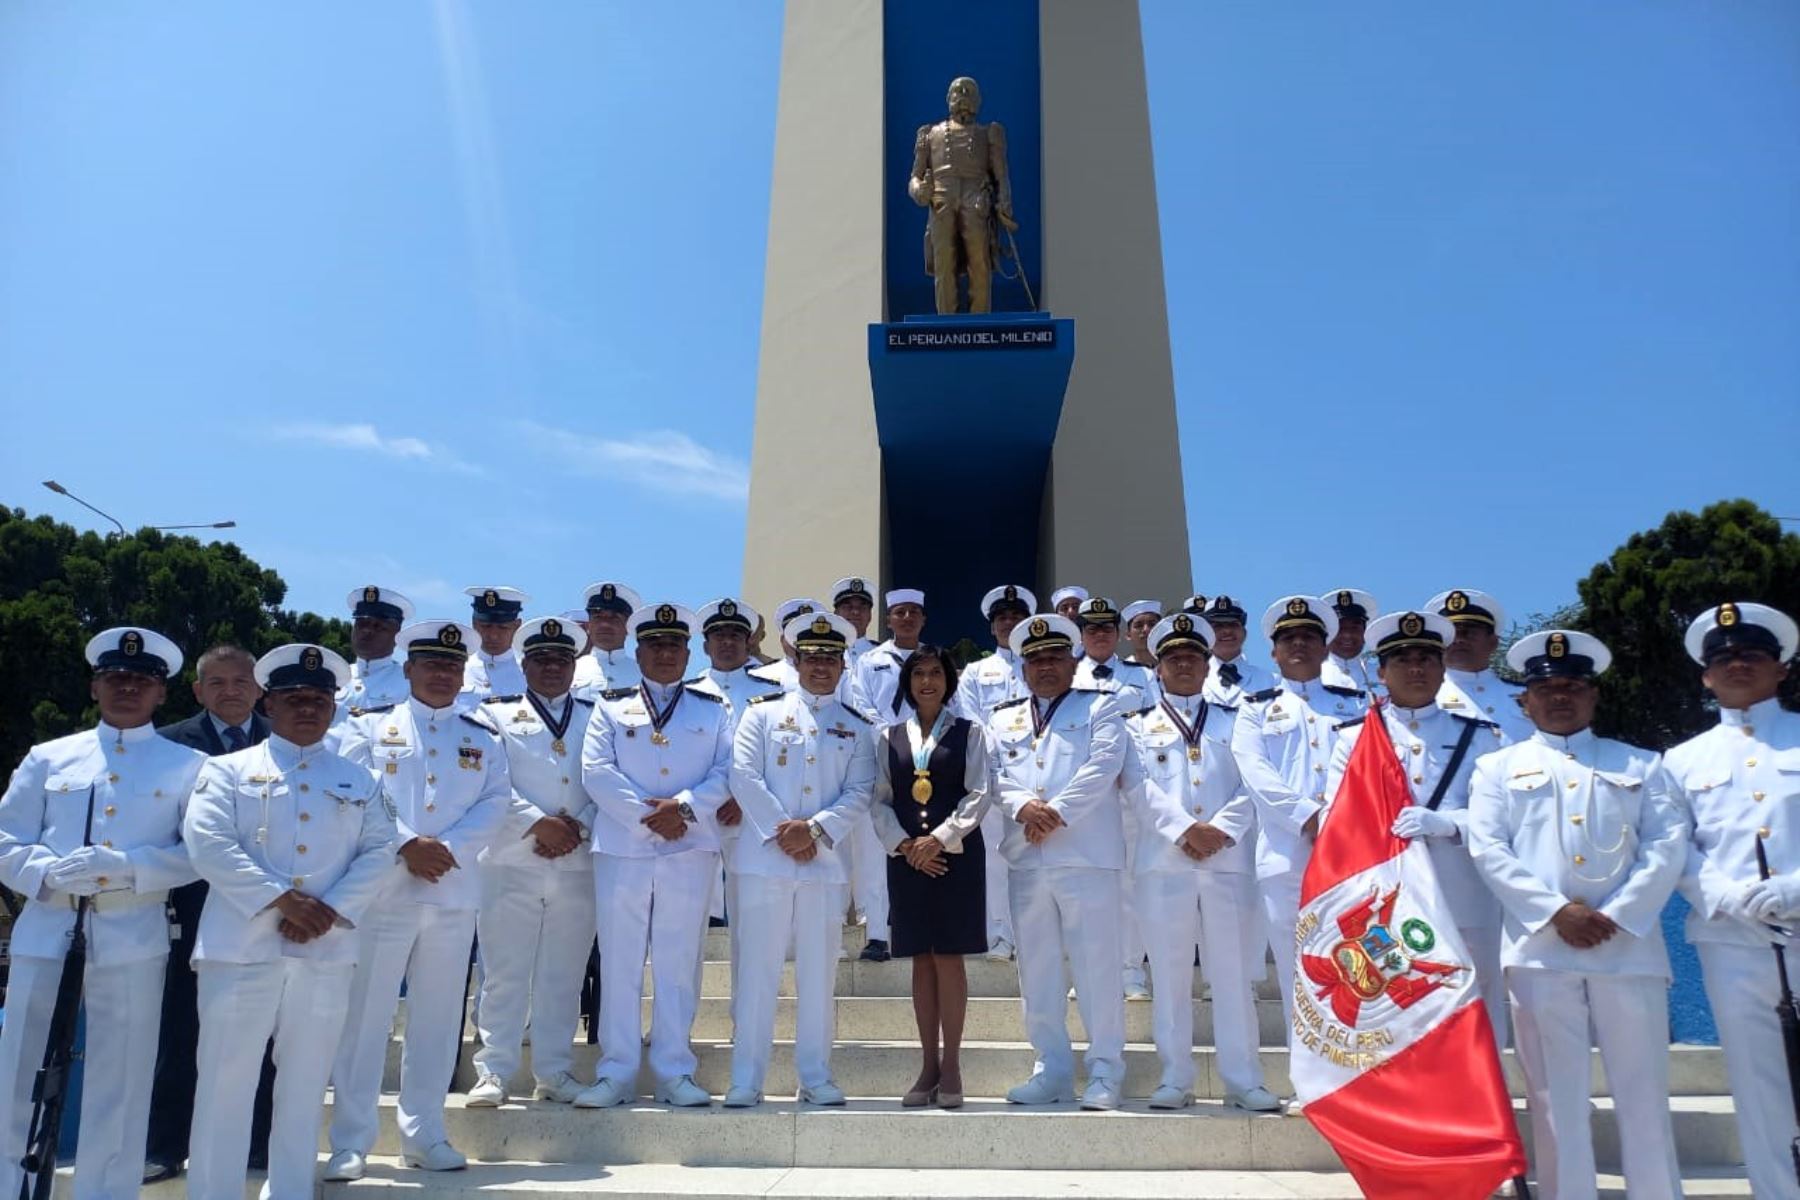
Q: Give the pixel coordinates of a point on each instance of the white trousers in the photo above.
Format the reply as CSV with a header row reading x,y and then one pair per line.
x,y
1631,1023
777,912
655,906
1131,933
1072,911
1178,907
1742,986
428,948
1483,942
301,1004
124,1013
1280,915
535,924
999,911
868,876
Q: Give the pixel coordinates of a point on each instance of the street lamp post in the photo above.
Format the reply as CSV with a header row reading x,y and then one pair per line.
x,y
60,490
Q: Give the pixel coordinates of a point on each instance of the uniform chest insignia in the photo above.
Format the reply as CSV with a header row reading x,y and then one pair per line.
x,y
468,758
264,778
1276,711
1526,774
393,741
840,731
635,710
521,716
1453,702
392,730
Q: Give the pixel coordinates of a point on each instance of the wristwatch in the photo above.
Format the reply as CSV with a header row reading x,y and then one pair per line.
x,y
817,830
686,810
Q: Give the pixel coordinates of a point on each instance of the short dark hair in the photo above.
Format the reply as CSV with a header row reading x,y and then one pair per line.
x,y
928,652
219,653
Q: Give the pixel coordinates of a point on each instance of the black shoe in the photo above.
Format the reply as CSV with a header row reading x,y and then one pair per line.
x,y
155,1171
715,922
875,951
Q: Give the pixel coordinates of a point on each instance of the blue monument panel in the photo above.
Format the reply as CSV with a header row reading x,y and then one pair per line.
x,y
927,43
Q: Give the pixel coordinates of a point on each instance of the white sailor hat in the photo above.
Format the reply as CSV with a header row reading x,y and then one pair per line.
x,y
541,634
1008,595
1467,606
852,587
1353,603
1097,610
816,631
497,605
1138,608
1299,612
611,596
663,620
383,603
301,665
1073,591
1181,629
726,613
135,649
1740,625
1400,630
787,610
437,638
1559,653
901,596
1045,631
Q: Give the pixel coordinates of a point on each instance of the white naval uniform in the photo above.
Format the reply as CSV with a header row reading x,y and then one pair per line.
x,y
1282,742
1425,739
141,783
1181,901
264,821
1133,688
374,683
1739,782
1552,820
487,675
536,920
796,757
1354,675
445,774
1065,891
598,670
1251,679
651,894
735,687
985,683
1486,697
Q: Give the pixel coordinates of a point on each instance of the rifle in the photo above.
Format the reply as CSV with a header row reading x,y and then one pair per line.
x,y
1788,1013
50,1090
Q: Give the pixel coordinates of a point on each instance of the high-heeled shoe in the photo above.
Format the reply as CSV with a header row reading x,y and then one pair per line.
x,y
947,1099
920,1097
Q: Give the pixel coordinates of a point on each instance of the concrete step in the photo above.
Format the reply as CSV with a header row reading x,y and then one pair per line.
x,y
880,1134
990,1019
887,1068
987,977
658,1181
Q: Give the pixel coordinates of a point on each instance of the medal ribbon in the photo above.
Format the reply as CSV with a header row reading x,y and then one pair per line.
x,y
557,727
1041,725
923,746
659,719
1190,735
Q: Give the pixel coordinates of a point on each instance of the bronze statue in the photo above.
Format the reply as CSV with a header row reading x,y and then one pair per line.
x,y
959,170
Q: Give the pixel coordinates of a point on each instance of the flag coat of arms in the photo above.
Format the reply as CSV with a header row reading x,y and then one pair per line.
x,y
1392,1054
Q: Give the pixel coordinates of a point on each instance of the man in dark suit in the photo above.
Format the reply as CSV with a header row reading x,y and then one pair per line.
x,y
225,685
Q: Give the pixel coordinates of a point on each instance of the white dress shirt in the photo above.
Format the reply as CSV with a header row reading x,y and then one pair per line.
x,y
1073,766
1133,687
1486,697
1171,786
626,762
801,757
1282,743
486,675
544,774
601,670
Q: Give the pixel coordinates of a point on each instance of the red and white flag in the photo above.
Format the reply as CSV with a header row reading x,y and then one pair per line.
x,y
1392,1053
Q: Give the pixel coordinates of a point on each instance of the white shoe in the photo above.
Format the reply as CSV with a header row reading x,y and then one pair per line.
x,y
489,1092
1001,950
605,1094
562,1090
1100,1096
1136,986
825,1095
1257,1099
441,1157
742,1097
1170,1096
1041,1089
344,1166
683,1093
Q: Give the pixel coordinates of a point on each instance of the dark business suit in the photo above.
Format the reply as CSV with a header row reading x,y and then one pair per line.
x,y
172,1093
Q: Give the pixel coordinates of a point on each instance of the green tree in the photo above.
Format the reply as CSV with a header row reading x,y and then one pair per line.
x,y
59,586
1642,598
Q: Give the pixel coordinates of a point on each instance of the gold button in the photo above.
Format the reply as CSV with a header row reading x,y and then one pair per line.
x,y
1418,749
298,881
1758,796
808,790
107,844
1413,725
1418,779
300,849
113,778
1310,718
1763,832
102,880
431,808
665,770
1570,757
431,779
306,816
1750,762
431,753
1749,730
1319,769
431,728
1314,743
112,810
1573,784
157,792
1575,820
303,766
810,758
306,787
1579,860
565,780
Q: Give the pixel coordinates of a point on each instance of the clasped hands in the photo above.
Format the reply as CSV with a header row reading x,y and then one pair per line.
x,y
1039,820
795,839
555,836
925,854
1582,926
664,818
80,872
304,918
1201,841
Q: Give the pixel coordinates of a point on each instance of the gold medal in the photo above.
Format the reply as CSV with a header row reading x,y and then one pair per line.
x,y
921,788
1193,754
657,738
558,746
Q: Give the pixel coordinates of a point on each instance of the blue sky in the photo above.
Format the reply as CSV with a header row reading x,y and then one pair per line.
x,y
433,294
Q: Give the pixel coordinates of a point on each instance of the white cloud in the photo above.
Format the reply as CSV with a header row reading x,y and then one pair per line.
x,y
663,460
363,436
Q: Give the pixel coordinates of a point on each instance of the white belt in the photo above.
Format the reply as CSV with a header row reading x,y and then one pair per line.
x,y
118,901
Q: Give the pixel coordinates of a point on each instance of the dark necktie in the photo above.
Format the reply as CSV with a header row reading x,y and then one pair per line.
x,y
1103,672
235,738
1230,674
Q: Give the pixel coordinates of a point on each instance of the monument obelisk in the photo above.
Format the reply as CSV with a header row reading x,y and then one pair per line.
x,y
833,491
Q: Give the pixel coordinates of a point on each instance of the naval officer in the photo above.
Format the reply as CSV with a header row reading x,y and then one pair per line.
x,y
536,919
1057,756
296,844
608,662
96,815
1066,601
1580,839
852,600
1232,676
655,762
1738,782
1437,750
1140,618
376,677
444,771
493,669
1471,689
1194,869
1100,668
803,768
1346,668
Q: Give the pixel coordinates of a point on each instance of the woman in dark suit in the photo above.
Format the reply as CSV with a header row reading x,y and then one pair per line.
x,y
931,787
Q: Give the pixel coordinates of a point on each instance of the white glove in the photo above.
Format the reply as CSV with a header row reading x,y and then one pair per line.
x,y
1774,899
1417,822
88,865
1736,902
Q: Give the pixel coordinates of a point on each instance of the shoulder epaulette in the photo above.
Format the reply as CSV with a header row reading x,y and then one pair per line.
x,y
1092,691
1342,691
859,716
1265,694
618,693
1475,720
764,699
379,708
1226,708
694,691
1010,703
1142,712
478,720
1347,724
504,699
765,673
693,681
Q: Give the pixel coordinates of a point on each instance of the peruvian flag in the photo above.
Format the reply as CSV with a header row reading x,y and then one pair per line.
x,y
1392,1053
